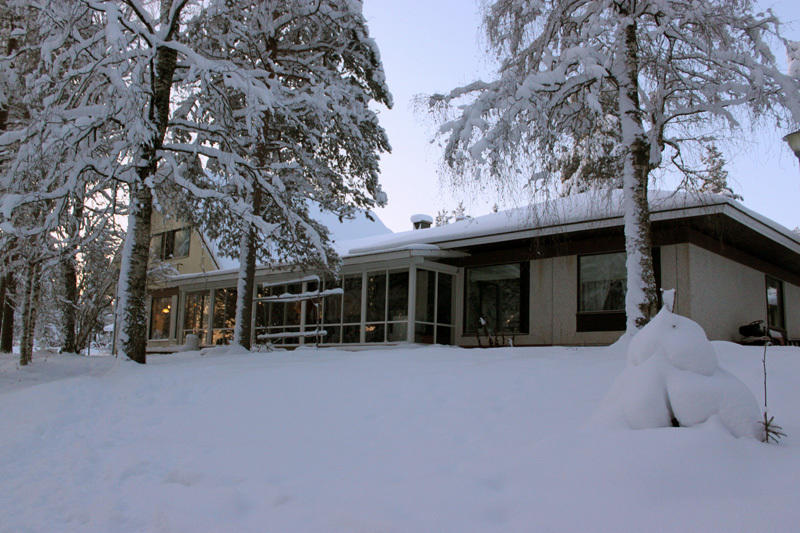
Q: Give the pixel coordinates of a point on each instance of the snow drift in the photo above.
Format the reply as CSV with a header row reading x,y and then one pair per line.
x,y
672,378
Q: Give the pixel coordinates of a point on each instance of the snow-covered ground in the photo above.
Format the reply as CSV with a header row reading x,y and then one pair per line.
x,y
411,439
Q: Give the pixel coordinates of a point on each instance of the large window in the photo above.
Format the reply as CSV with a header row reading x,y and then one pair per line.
x,y
195,315
171,244
497,299
160,317
224,316
775,310
601,285
433,314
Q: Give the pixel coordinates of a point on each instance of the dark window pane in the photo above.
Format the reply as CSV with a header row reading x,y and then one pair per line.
x,y
376,296
398,296
224,308
168,245
601,282
313,306
276,314
423,333
375,332
182,240
497,299
426,295
352,299
160,317
334,335
333,304
444,305
293,309
195,316
313,312
397,332
351,334
775,311
444,335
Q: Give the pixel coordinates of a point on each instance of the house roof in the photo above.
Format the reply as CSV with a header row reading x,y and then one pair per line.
x,y
590,210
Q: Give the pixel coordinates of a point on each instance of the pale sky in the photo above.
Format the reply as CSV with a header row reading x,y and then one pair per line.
x,y
435,45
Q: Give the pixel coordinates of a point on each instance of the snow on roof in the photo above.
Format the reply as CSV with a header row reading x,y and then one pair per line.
x,y
585,207
341,233
421,217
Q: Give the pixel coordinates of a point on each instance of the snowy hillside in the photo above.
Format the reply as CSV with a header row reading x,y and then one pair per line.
x,y
410,439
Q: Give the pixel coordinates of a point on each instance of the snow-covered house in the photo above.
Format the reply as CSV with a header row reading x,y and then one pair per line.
x,y
551,273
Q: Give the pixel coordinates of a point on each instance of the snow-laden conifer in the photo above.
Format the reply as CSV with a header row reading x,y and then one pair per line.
x,y
302,129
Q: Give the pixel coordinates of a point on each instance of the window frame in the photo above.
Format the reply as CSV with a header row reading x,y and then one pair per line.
x,y
599,321
781,303
169,237
524,304
153,315
435,324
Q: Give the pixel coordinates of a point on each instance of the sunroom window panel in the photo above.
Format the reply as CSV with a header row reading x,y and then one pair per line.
x,y
397,305
375,333
160,317
224,315
332,307
195,316
376,296
444,302
426,296
397,331
352,299
351,334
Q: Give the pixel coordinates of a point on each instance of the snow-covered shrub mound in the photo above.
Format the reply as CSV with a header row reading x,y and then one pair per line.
x,y
672,376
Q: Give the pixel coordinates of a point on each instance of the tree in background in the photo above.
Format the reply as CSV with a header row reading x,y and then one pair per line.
x,y
715,178
662,77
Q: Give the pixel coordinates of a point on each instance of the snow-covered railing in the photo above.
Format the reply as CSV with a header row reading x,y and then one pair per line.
x,y
291,334
301,296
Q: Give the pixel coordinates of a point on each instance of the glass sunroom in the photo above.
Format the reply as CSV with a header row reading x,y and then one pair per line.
x,y
377,304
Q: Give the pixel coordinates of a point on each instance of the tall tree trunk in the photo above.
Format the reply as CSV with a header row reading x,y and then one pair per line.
x,y
132,292
2,297
247,270
69,308
641,296
69,304
132,311
9,282
29,303
7,330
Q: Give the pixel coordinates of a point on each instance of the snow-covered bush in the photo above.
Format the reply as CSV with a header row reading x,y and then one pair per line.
x,y
673,378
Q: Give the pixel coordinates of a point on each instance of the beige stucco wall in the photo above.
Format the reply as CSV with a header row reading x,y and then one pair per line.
x,y
723,294
199,259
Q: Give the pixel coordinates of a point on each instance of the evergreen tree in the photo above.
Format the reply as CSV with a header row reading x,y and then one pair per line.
x,y
715,178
